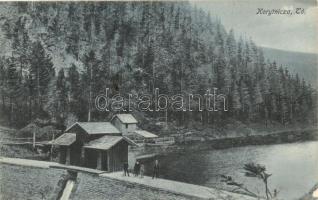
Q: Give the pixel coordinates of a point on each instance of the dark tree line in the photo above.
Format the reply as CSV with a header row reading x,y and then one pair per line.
x,y
135,47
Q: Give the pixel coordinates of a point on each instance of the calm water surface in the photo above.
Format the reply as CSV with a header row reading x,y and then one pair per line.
x,y
294,167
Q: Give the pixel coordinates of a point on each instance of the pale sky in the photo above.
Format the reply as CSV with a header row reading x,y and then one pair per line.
x,y
292,33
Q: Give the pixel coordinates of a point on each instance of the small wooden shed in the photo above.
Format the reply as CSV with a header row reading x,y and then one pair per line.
x,y
107,153
125,123
69,149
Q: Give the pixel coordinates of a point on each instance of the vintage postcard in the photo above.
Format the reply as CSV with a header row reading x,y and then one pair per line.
x,y
159,100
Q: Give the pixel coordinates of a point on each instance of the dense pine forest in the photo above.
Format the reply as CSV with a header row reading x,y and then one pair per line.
x,y
56,57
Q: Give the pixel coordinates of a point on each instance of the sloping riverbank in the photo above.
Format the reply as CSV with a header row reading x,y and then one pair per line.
x,y
26,182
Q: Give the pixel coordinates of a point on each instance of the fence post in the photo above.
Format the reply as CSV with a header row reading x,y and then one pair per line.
x,y
53,136
33,139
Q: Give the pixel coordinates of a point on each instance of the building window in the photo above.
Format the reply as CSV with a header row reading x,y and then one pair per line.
x,y
126,126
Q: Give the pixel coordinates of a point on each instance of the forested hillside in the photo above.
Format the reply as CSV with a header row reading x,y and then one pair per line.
x,y
56,57
305,64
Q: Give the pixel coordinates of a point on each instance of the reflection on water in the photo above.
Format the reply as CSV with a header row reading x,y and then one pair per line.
x,y
294,167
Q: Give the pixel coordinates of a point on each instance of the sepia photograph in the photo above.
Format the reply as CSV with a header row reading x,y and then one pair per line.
x,y
159,100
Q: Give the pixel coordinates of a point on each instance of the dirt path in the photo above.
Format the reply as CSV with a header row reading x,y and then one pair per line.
x,y
178,187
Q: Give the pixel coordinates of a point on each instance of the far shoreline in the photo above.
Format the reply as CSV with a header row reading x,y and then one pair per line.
x,y
280,137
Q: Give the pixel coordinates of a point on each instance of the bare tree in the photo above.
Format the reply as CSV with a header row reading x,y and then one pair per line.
x,y
258,171
251,170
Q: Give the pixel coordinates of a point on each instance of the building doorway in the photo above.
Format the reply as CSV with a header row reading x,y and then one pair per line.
x,y
91,158
104,161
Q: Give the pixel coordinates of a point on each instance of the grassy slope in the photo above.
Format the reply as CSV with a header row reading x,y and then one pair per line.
x,y
18,182
92,187
16,151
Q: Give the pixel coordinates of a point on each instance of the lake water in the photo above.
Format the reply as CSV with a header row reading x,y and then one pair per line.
x,y
294,167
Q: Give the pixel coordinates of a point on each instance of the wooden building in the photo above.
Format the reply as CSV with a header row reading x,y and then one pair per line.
x,y
67,144
126,123
98,145
107,153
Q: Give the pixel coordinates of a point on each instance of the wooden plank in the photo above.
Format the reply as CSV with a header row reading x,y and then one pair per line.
x,y
77,168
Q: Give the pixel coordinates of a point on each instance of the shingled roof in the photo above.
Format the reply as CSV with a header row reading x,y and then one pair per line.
x,y
65,140
95,128
106,142
126,118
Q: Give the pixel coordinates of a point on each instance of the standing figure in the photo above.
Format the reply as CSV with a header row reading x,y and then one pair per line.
x,y
142,170
135,169
126,169
138,168
156,170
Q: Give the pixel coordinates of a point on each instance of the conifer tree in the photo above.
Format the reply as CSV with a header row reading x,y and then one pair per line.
x,y
89,78
73,81
41,72
236,102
